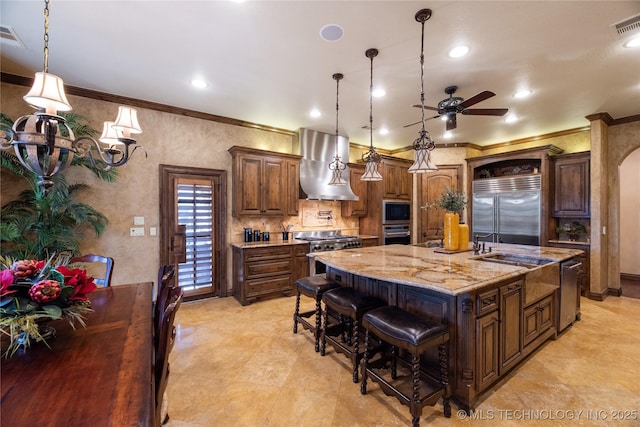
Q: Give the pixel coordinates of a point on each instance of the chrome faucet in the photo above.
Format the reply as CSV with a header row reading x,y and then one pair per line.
x,y
476,243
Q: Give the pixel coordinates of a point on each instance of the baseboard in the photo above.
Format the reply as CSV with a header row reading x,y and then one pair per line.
x,y
630,277
615,292
603,295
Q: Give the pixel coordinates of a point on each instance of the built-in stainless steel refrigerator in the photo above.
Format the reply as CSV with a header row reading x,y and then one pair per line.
x,y
508,207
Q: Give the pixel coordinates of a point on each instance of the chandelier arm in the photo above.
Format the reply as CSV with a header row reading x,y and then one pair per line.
x,y
111,156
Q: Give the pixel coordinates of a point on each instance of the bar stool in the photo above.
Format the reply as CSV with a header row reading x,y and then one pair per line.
x,y
344,335
312,287
405,331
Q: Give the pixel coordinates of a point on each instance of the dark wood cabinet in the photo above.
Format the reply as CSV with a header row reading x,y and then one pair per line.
x,y
487,333
571,197
267,271
537,319
264,183
370,241
396,179
357,208
510,325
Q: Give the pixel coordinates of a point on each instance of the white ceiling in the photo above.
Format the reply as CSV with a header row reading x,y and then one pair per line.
x,y
266,63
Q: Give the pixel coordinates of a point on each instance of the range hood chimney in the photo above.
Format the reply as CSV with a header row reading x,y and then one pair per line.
x,y
317,150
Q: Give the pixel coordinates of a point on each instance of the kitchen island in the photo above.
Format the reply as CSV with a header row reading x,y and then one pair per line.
x,y
500,306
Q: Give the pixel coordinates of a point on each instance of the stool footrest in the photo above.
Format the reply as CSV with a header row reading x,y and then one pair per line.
x,y
402,387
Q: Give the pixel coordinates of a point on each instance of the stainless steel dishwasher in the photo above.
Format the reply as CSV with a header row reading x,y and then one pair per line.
x,y
569,294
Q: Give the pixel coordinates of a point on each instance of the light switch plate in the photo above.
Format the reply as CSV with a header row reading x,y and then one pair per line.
x,y
152,231
138,220
136,231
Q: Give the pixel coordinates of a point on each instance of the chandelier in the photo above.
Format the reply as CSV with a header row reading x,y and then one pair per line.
x,y
371,157
43,142
423,145
337,166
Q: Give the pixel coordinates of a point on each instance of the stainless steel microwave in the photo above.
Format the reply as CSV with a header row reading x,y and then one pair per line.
x,y
396,212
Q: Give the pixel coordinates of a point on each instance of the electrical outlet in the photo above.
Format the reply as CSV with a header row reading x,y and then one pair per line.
x,y
136,231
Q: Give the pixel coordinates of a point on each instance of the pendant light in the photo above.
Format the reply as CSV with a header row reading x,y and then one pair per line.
x,y
337,166
43,142
371,157
423,145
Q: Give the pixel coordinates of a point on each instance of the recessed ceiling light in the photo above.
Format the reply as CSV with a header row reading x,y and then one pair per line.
x,y
511,118
634,42
315,113
522,93
379,93
383,131
331,32
458,51
200,84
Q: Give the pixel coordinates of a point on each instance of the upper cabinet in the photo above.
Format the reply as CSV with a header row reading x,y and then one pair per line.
x,y
265,183
430,187
572,186
352,207
396,178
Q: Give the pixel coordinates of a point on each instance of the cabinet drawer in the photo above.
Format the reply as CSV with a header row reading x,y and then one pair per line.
x,y
255,288
270,252
300,250
268,268
487,302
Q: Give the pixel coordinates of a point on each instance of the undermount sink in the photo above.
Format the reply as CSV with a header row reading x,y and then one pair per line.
x,y
516,260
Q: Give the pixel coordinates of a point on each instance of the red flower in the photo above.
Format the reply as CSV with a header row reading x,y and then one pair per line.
x,y
78,279
45,291
6,279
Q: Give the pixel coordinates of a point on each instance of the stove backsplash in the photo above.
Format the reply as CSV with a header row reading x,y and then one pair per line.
x,y
313,215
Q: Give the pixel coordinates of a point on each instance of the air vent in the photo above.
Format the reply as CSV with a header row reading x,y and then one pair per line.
x,y
9,36
627,28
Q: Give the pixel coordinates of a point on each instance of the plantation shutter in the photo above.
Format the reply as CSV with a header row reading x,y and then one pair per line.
x,y
195,212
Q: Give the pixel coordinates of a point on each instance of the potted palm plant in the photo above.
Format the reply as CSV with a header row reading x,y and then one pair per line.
x,y
38,224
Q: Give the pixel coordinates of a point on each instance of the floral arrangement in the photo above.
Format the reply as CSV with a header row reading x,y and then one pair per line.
x,y
33,291
450,200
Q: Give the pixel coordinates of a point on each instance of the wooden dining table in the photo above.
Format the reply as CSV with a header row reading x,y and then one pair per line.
x,y
96,376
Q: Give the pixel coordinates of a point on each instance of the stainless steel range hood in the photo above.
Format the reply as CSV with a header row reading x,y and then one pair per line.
x,y
317,150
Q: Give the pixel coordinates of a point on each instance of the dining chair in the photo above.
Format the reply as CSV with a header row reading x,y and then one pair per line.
x,y
92,258
166,339
166,281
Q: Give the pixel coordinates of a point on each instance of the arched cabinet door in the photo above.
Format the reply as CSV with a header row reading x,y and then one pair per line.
x,y
430,187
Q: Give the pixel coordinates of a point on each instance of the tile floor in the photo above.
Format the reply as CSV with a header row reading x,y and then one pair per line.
x,y
242,366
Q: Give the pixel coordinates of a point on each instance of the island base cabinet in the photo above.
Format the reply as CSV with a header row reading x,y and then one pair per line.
x,y
487,332
538,318
510,325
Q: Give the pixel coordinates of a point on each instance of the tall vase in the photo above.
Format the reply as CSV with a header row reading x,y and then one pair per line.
x,y
451,232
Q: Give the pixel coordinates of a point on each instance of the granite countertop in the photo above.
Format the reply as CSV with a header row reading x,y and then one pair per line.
x,y
448,273
263,244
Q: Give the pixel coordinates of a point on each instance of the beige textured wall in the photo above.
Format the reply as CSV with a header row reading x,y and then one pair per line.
x,y
630,214
571,142
169,139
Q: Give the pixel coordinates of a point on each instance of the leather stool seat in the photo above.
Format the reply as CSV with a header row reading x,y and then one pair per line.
x,y
349,306
415,335
312,287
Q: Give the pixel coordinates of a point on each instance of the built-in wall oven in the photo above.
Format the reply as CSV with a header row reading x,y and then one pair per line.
x,y
396,222
396,234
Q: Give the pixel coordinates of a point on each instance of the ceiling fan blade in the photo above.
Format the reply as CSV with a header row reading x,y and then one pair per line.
x,y
452,122
411,124
485,112
415,123
426,107
475,99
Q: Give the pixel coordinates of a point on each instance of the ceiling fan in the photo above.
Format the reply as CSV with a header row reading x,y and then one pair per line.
x,y
450,107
